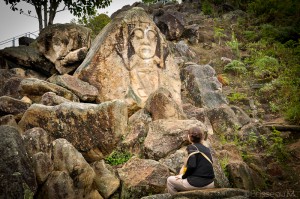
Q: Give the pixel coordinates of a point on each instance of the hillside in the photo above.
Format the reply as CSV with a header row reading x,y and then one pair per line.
x,y
107,118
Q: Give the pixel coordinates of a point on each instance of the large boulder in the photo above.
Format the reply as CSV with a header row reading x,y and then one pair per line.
x,y
9,105
106,179
72,176
52,99
35,88
224,121
213,193
38,144
161,105
140,177
171,23
17,178
10,79
243,177
86,126
203,86
137,132
166,136
64,45
130,59
83,90
26,57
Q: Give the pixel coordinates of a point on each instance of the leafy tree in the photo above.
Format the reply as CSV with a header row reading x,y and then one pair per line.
x,y
47,9
95,22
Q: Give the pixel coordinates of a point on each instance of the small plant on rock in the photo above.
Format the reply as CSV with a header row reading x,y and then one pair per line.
x,y
118,157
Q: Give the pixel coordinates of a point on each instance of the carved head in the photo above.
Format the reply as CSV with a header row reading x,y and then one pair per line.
x,y
144,41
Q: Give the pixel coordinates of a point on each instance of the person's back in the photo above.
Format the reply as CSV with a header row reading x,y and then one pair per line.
x,y
199,173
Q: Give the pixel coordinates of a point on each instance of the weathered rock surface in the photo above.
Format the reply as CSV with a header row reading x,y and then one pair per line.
x,y
26,57
83,90
142,176
37,140
241,115
9,105
175,160
72,177
10,121
166,136
137,132
86,126
219,193
106,180
35,88
160,105
203,86
52,99
38,144
16,173
243,177
130,59
224,121
170,23
64,45
213,193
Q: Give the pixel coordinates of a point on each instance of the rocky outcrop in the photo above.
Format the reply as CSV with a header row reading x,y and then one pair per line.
x,y
26,57
133,53
52,99
160,105
64,45
83,90
243,177
224,121
86,126
137,132
171,23
9,105
17,174
35,88
142,176
106,179
166,136
203,86
72,177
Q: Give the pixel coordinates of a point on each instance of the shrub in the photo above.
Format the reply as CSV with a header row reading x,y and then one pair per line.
x,y
118,157
237,67
235,97
266,67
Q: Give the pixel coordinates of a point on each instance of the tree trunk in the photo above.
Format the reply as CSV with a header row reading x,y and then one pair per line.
x,y
40,17
45,13
52,10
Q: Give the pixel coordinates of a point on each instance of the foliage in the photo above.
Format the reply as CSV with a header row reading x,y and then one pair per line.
x,y
235,97
266,66
47,9
223,163
219,34
277,148
234,45
118,157
237,67
95,22
207,8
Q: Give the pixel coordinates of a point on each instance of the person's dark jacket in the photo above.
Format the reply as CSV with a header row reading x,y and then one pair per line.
x,y
199,171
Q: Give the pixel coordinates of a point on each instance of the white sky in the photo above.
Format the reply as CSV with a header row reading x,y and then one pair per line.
x,y
13,24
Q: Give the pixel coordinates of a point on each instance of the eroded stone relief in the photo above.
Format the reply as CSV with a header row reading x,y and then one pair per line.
x,y
129,60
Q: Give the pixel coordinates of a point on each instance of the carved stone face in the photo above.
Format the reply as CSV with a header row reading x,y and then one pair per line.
x,y
144,42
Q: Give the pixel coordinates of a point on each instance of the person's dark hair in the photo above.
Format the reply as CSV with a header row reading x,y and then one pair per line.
x,y
195,134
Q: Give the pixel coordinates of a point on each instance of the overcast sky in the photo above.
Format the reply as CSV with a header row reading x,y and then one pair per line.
x,y
13,24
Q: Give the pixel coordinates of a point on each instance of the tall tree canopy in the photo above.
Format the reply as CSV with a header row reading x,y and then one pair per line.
x,y
47,9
